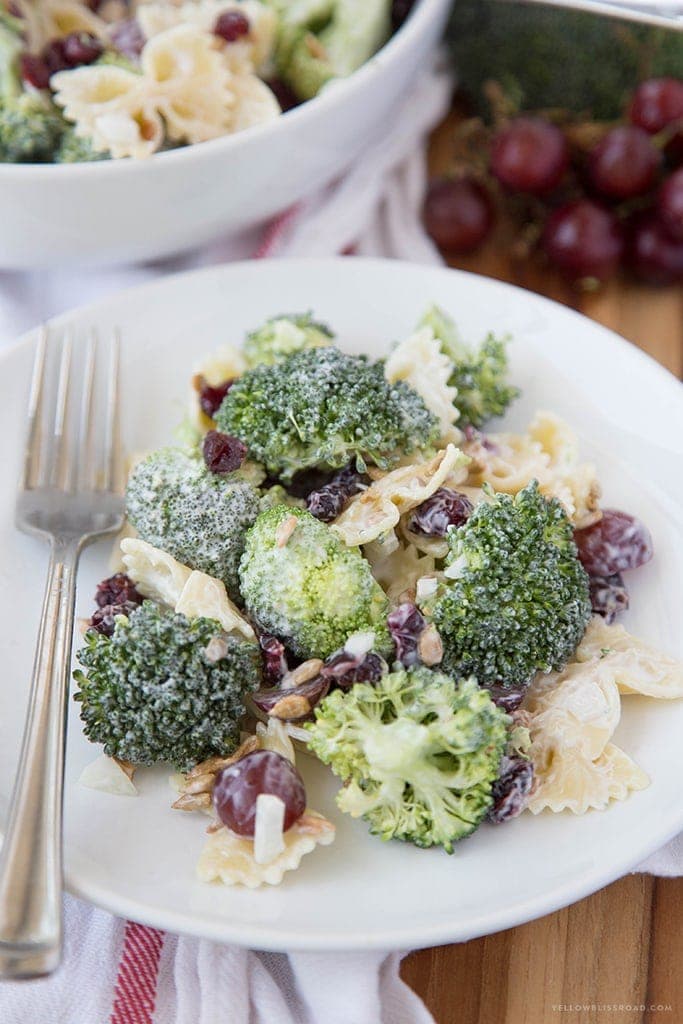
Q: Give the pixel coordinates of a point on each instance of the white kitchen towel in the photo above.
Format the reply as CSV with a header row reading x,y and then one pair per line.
x,y
118,972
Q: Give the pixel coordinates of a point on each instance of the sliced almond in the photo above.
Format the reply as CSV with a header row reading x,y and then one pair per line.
x,y
285,530
303,673
200,783
216,649
127,767
429,646
315,47
292,706
193,802
215,764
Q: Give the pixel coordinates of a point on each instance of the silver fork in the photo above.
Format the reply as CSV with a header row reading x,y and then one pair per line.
x,y
69,494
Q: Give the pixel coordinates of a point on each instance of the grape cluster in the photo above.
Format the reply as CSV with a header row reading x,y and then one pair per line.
x,y
597,197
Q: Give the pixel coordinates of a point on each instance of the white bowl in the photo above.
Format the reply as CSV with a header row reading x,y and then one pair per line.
x,y
126,211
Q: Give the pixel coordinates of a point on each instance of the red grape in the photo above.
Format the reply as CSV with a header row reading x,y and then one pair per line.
x,y
652,254
583,240
238,786
458,213
615,543
657,103
670,205
624,163
529,155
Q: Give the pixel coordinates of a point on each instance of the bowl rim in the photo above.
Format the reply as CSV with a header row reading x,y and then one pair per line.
x,y
398,44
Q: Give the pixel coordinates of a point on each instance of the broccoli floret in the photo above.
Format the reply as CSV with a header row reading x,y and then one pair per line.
x,y
164,688
323,39
515,599
75,150
199,518
418,754
30,129
304,585
320,407
282,335
30,124
479,374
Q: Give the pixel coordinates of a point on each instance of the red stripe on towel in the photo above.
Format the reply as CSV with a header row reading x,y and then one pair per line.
x,y
274,233
136,983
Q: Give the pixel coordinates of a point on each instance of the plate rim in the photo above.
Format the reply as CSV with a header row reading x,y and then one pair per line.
x,y
269,937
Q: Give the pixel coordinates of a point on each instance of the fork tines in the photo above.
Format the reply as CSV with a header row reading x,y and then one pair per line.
x,y
67,394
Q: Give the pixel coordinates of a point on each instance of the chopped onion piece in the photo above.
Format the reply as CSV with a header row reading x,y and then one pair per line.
x,y
425,588
107,775
360,644
270,818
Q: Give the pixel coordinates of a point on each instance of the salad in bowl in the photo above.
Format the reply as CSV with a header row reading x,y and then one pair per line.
x,y
340,557
133,131
109,79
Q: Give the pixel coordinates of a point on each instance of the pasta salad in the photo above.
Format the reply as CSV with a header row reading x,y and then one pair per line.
x,y
84,80
341,557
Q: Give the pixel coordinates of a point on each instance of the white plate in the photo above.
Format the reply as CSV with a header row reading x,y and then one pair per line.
x,y
135,856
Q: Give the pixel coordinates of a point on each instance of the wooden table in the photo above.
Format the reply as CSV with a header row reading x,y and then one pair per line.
x,y
621,949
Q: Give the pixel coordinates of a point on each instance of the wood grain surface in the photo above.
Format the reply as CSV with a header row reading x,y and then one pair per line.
x,y
616,956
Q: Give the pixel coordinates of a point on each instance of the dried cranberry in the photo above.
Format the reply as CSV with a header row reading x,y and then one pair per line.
x,y
211,396
512,789
615,543
343,670
609,596
283,94
81,48
222,452
231,25
443,509
118,589
274,658
474,436
328,502
238,786
405,625
505,698
128,38
34,71
103,620
54,56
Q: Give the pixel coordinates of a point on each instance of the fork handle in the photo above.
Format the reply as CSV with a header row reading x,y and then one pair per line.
x,y
31,857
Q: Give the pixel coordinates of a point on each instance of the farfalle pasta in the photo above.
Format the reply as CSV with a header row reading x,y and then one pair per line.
x,y
189,72
547,452
190,83
183,92
420,361
256,46
574,713
399,572
111,107
637,667
378,509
